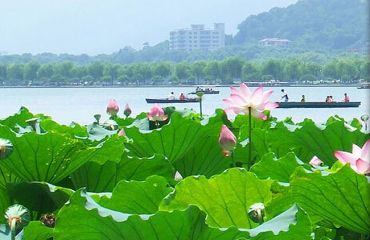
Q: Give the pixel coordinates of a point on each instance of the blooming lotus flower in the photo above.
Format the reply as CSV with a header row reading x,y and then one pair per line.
x,y
127,111
122,133
112,108
241,100
359,159
156,113
316,162
227,140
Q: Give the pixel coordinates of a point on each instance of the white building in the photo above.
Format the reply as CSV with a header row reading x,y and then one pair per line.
x,y
198,38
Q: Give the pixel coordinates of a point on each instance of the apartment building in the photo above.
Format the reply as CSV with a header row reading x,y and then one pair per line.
x,y
198,37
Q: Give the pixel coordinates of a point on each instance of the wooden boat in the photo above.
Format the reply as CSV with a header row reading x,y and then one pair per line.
x,y
165,100
364,86
319,104
206,91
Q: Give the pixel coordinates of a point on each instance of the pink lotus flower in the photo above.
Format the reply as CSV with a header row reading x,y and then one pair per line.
x,y
127,111
227,140
316,162
359,159
241,100
122,133
156,113
112,108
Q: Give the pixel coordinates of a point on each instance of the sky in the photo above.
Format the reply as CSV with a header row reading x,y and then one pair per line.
x,y
105,26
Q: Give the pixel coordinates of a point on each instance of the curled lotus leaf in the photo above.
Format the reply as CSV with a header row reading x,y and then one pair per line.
x,y
6,148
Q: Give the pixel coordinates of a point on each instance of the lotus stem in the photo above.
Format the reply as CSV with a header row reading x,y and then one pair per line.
x,y
200,107
232,158
13,224
250,136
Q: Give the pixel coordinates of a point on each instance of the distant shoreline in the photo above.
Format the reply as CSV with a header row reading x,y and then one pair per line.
x,y
188,86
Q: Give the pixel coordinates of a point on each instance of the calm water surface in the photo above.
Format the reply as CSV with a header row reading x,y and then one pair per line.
x,y
80,104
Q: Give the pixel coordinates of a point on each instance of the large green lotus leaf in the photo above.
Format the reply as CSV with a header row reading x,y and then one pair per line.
x,y
4,202
204,158
18,119
139,197
225,198
341,197
6,178
96,222
278,169
74,129
39,196
308,139
35,230
324,141
291,224
103,176
48,157
172,140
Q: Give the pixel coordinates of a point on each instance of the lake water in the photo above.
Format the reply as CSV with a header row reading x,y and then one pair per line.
x,y
80,104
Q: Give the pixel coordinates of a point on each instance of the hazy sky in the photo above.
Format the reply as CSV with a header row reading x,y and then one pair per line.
x,y
104,26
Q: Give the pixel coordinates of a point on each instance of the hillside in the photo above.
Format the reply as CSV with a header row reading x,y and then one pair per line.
x,y
333,24
319,30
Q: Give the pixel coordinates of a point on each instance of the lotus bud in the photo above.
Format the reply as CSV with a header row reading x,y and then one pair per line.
x,y
316,162
227,140
48,220
178,176
6,148
97,118
112,108
156,113
17,217
127,112
256,212
122,133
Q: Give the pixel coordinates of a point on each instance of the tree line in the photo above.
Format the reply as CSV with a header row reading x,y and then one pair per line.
x,y
228,71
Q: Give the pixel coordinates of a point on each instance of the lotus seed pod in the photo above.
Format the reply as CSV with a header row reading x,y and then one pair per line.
x,y
256,212
6,148
97,118
17,217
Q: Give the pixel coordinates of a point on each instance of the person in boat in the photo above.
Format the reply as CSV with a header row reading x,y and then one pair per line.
x,y
171,96
284,95
346,98
303,99
182,96
329,99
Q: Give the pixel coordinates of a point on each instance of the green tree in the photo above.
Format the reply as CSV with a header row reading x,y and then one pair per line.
x,y
15,73
274,68
96,70
197,70
45,72
183,72
212,72
30,71
250,72
3,73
